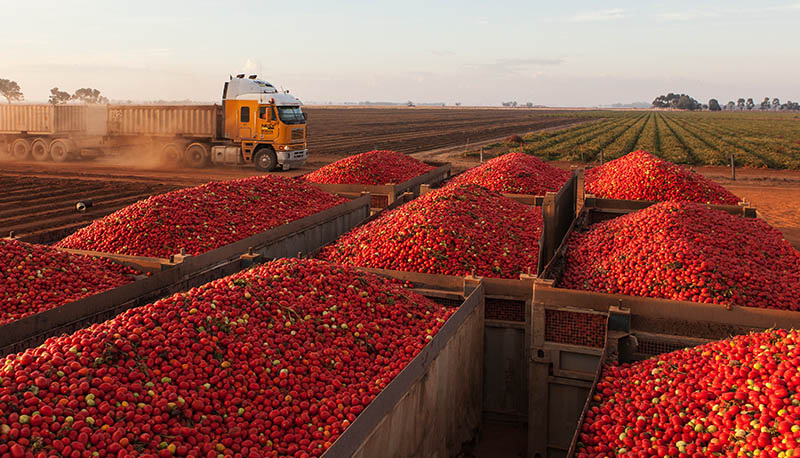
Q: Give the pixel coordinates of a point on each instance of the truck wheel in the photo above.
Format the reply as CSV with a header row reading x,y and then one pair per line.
x,y
21,149
59,150
39,150
171,153
196,155
265,160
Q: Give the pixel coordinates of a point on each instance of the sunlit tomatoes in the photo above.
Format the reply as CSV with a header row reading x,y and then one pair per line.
x,y
686,251
735,397
455,230
274,361
642,176
373,167
202,218
35,278
515,173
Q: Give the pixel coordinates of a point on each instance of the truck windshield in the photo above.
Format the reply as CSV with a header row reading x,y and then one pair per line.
x,y
291,115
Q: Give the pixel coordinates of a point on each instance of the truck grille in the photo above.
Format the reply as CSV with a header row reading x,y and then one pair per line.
x,y
297,134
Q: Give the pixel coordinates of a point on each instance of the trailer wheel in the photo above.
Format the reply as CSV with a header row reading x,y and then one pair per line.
x,y
265,159
171,153
59,150
39,150
21,149
196,155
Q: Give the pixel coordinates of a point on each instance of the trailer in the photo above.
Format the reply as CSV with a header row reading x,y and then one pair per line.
x,y
255,124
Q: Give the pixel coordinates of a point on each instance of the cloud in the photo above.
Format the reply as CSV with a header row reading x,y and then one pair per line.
x,y
600,15
442,52
708,13
515,66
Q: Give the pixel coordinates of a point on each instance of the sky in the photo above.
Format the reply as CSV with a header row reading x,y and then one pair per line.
x,y
565,53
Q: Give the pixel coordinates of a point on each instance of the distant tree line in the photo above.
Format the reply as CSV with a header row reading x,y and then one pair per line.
x,y
685,102
514,104
13,93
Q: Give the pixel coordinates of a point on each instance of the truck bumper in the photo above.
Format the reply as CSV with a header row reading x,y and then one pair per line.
x,y
291,159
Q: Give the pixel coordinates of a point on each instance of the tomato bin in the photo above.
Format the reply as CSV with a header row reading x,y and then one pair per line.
x,y
508,297
385,175
179,272
293,357
580,320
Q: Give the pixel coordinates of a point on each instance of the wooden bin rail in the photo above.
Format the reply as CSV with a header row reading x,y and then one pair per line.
x,y
384,195
525,199
303,235
616,207
433,406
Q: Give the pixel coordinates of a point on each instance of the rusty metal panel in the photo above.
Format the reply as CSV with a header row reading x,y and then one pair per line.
x,y
70,118
43,119
26,118
163,120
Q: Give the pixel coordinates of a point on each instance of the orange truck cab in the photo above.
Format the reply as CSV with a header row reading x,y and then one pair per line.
x,y
267,127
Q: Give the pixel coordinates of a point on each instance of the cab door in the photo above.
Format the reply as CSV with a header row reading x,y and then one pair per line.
x,y
246,120
267,122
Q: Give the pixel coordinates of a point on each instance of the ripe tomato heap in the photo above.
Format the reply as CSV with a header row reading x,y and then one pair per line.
x,y
515,173
373,167
455,230
35,278
686,251
202,218
274,361
642,176
733,397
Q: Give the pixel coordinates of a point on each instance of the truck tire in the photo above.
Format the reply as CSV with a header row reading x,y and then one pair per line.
x,y
21,149
196,155
171,153
60,150
40,150
265,159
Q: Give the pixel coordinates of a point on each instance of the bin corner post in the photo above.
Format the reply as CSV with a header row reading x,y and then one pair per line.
x,y
538,378
549,228
580,189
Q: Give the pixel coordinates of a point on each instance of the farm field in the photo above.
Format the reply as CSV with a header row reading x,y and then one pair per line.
x,y
768,139
436,134
337,132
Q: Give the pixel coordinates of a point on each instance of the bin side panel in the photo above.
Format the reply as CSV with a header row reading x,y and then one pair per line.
x,y
505,394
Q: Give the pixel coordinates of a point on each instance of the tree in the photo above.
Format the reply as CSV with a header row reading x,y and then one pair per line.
x,y
10,90
57,96
765,103
776,103
750,104
731,105
713,105
680,101
740,103
89,95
